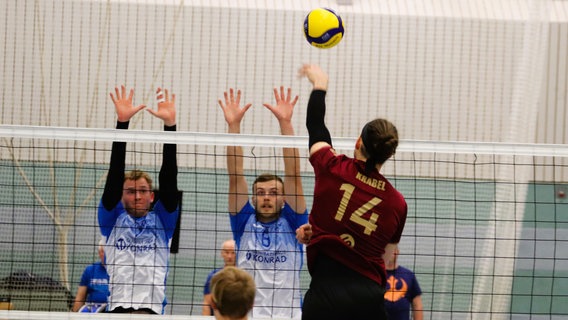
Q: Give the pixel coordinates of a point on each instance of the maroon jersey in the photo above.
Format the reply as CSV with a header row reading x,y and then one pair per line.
x,y
354,215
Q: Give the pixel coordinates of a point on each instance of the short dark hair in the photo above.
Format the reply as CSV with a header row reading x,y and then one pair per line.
x,y
266,177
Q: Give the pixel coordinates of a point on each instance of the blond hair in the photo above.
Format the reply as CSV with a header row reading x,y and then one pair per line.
x,y
138,174
233,291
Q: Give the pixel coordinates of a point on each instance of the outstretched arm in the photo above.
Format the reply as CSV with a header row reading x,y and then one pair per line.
x,y
238,189
283,111
319,135
168,172
115,177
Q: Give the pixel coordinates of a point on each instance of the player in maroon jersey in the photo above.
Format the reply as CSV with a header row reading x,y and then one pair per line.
x,y
356,215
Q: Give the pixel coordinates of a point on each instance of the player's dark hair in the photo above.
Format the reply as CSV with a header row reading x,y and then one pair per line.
x,y
266,177
380,140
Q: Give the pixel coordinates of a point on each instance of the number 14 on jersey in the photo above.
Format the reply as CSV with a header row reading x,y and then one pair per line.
x,y
356,216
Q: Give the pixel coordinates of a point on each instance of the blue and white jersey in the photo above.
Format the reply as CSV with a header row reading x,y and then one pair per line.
x,y
137,254
273,256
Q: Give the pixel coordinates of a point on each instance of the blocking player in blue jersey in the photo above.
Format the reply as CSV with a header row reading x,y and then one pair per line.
x,y
264,225
138,235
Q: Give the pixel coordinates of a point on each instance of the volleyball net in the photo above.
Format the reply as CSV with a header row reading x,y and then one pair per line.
x,y
486,230
477,89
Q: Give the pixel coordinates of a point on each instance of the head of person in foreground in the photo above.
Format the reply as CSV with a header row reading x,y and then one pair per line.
x,y
233,291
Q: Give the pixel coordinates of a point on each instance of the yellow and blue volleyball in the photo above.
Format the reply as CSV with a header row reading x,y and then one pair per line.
x,y
323,28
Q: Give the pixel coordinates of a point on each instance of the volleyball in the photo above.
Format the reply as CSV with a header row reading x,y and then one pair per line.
x,y
323,28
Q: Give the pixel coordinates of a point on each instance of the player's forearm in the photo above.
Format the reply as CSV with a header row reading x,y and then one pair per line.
x,y
291,161
235,160
315,117
168,175
292,176
234,153
291,155
115,178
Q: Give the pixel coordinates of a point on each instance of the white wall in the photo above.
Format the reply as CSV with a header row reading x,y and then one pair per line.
x,y
440,70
